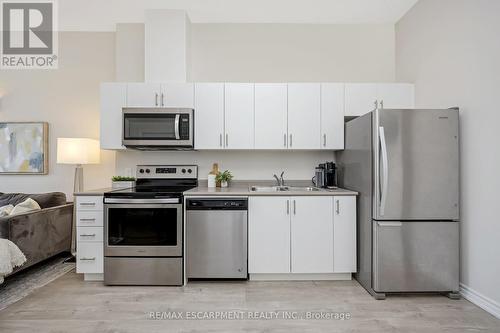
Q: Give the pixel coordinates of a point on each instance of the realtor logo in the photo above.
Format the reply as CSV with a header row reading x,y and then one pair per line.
x,y
29,34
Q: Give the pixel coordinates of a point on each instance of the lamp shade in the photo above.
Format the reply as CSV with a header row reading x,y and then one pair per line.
x,y
77,151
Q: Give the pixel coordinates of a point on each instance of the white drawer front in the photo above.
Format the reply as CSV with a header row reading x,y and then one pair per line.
x,y
89,203
89,234
89,219
89,257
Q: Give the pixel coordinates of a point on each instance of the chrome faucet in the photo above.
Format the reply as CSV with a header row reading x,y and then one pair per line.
x,y
280,180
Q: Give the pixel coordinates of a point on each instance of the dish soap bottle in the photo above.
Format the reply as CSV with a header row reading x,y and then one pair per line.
x,y
212,175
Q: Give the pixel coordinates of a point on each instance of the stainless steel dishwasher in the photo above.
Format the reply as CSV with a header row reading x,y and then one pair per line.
x,y
216,238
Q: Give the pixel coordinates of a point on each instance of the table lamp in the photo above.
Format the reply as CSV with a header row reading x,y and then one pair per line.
x,y
78,151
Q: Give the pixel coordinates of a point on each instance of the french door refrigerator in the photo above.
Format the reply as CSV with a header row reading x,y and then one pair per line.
x,y
405,166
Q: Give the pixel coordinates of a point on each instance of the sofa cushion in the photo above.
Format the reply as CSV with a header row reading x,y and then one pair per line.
x,y
27,205
45,200
5,210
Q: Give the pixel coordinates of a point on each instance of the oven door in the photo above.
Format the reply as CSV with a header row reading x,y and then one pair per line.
x,y
143,127
136,228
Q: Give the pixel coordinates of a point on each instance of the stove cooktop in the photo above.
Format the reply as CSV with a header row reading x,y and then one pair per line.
x,y
149,192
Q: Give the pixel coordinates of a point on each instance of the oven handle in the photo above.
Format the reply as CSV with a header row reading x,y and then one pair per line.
x,y
177,130
141,201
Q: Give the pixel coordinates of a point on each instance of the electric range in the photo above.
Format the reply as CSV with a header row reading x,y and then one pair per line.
x,y
143,234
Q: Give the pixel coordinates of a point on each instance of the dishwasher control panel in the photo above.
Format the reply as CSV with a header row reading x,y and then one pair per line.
x,y
217,204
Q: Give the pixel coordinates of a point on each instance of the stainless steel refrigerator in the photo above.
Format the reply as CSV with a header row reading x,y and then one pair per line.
x,y
405,165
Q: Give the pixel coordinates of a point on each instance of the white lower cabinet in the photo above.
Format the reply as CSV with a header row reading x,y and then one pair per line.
x,y
269,235
301,234
89,236
311,235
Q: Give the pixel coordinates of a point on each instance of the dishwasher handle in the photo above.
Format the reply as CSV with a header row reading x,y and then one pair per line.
x,y
217,204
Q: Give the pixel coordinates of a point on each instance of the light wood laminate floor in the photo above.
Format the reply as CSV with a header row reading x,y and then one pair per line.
x,y
71,305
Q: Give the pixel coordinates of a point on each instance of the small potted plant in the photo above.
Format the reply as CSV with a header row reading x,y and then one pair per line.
x,y
224,178
122,182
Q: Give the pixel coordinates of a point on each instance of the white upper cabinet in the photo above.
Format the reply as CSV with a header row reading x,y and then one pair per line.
x,y
177,95
239,116
360,98
143,95
332,116
209,116
166,40
113,98
304,115
271,116
344,234
268,235
396,95
311,235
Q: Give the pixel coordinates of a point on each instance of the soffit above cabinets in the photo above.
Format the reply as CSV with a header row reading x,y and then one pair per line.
x,y
103,15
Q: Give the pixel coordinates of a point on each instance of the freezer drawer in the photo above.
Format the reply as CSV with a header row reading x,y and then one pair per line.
x,y
415,256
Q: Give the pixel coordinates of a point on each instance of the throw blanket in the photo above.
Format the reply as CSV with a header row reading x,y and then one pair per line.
x,y
10,258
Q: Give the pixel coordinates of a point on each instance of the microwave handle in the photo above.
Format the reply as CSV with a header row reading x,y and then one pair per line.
x,y
176,125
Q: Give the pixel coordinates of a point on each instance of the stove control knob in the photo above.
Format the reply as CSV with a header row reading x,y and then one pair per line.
x,y
148,171
183,170
190,171
141,170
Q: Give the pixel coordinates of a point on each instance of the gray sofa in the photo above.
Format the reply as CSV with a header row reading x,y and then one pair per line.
x,y
39,234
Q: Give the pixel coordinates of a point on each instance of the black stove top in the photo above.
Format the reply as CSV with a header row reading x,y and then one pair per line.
x,y
159,181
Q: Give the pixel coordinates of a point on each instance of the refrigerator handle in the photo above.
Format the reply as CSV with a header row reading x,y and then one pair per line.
x,y
385,171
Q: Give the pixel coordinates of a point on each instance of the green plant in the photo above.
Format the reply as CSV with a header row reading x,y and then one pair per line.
x,y
225,176
122,179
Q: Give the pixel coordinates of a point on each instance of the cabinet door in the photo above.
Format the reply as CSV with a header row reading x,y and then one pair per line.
x,y
396,95
113,98
238,115
304,115
209,116
312,234
268,235
344,234
177,95
271,116
360,98
332,116
143,94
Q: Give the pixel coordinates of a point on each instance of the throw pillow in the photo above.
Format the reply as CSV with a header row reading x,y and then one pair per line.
x,y
5,210
25,206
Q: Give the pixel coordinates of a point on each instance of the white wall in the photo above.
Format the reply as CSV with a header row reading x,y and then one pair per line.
x,y
451,50
243,164
68,99
292,52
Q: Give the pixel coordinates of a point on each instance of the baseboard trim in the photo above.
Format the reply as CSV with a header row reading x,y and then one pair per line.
x,y
300,277
485,303
93,277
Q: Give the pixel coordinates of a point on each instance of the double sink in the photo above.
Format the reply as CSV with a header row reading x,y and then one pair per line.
x,y
283,188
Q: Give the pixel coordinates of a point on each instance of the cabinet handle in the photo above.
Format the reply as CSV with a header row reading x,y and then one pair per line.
x,y
284,140
382,104
376,104
87,220
227,140
87,235
288,207
337,209
294,208
324,140
220,139
162,104
156,99
87,203
87,259
290,140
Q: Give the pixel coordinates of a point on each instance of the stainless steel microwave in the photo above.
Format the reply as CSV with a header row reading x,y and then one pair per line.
x,y
158,128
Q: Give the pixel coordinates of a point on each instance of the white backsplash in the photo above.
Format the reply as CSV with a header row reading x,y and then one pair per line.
x,y
245,165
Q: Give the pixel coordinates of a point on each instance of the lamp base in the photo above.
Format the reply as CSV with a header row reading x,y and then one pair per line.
x,y
78,184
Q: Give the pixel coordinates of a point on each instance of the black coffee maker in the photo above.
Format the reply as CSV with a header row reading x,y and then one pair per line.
x,y
330,175
325,175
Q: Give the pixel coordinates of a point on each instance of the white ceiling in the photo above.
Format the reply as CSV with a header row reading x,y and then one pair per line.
x,y
102,15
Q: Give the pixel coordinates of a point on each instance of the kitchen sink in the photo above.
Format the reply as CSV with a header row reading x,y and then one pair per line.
x,y
283,188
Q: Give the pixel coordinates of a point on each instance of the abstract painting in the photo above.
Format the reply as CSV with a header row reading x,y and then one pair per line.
x,y
24,148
